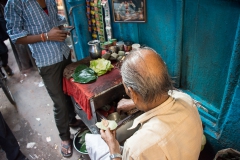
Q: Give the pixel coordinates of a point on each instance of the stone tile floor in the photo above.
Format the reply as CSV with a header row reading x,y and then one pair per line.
x,y
32,120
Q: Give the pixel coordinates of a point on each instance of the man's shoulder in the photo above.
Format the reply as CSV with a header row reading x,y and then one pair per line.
x,y
178,94
182,98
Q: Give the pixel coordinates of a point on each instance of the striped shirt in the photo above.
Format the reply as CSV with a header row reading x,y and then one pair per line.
x,y
26,17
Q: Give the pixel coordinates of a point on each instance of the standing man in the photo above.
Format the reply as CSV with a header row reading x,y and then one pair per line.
x,y
37,23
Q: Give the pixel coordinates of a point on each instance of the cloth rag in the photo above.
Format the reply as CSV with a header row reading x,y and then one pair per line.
x,y
96,147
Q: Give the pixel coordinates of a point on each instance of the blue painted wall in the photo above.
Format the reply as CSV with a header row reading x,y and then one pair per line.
x,y
210,66
76,10
162,31
200,42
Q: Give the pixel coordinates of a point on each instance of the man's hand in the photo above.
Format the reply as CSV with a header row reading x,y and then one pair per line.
x,y
55,34
125,105
68,29
109,137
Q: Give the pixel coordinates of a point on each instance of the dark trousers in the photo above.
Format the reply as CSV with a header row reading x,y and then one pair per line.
x,y
8,142
4,59
63,107
3,54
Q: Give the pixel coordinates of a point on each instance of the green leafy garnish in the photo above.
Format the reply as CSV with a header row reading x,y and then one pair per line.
x,y
82,139
82,142
101,66
84,74
83,148
86,131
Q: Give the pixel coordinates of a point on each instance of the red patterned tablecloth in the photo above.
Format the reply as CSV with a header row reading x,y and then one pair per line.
x,y
82,93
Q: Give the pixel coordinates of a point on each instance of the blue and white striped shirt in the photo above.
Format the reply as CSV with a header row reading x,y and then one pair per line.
x,y
26,17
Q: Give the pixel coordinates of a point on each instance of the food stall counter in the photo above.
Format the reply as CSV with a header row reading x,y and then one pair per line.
x,y
87,98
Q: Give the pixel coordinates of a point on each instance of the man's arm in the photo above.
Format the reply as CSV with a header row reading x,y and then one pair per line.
x,y
109,137
125,105
55,34
13,16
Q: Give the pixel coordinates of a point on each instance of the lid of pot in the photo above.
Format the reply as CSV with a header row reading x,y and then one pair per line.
x,y
136,45
93,42
120,43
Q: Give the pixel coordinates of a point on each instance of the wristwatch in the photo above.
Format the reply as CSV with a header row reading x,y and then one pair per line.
x,y
115,155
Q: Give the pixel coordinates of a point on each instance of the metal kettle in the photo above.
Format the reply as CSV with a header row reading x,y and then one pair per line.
x,y
94,49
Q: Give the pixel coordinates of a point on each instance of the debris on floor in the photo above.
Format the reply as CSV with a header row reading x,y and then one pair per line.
x,y
31,145
48,139
22,77
31,156
56,146
35,156
41,84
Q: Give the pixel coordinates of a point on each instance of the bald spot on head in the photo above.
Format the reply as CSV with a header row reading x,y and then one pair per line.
x,y
146,73
148,63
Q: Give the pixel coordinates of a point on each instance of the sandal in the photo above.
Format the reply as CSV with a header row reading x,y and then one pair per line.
x,y
66,148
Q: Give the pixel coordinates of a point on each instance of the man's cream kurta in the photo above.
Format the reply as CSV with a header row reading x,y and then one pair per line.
x,y
171,131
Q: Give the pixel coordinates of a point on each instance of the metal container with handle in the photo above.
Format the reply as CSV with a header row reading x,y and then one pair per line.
x,y
94,49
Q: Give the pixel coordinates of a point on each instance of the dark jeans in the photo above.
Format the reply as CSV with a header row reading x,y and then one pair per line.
x,y
4,59
63,107
3,54
8,142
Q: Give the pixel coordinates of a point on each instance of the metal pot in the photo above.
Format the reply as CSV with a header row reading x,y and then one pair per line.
x,y
114,116
76,145
94,49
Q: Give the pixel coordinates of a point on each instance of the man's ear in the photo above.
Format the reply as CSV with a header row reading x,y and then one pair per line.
x,y
132,94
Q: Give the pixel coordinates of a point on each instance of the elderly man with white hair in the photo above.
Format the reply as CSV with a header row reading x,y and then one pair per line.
x,y
170,127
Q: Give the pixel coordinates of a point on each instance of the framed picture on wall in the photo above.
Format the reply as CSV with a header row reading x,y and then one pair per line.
x,y
129,10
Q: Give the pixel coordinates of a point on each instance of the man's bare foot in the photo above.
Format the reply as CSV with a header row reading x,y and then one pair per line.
x,y
66,148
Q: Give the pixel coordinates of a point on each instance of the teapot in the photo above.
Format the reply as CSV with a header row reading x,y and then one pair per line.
x,y
94,49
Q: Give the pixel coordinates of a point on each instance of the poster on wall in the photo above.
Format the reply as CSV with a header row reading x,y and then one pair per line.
x,y
129,10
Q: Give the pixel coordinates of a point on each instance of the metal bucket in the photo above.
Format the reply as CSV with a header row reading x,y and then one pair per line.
x,y
78,145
